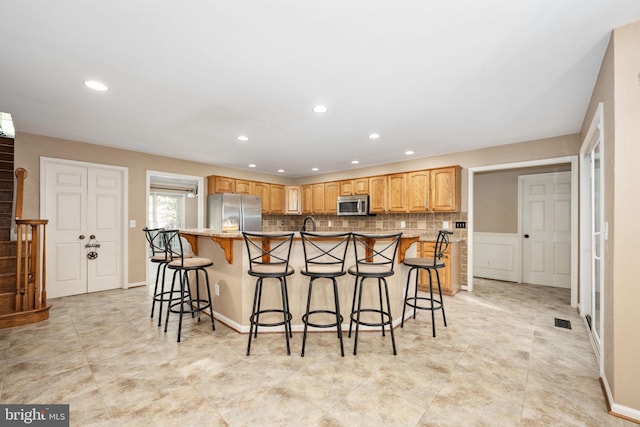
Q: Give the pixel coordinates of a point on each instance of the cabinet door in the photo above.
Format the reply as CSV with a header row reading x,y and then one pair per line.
x,y
243,186
445,189
361,186
307,199
397,192
318,199
262,189
378,194
293,202
277,198
220,184
346,187
331,191
417,191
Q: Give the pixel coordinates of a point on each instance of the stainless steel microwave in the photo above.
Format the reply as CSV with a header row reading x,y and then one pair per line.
x,y
353,205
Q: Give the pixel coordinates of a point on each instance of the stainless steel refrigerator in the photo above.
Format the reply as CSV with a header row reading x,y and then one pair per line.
x,y
234,212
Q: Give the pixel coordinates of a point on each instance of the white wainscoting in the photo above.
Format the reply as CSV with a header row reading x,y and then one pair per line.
x,y
497,256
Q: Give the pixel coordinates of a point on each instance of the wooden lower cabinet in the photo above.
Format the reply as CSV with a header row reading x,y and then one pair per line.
x,y
450,276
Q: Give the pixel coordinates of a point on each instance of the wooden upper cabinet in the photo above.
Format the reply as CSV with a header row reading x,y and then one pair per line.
x,y
361,186
397,192
277,198
444,184
346,187
378,194
220,184
317,198
418,191
307,199
243,186
292,200
263,190
331,192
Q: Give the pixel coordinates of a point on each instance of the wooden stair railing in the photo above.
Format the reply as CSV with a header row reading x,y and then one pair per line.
x,y
31,284
31,269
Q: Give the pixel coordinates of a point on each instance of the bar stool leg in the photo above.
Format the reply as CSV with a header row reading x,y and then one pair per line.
x,y
355,344
206,277
285,312
406,295
305,319
286,309
353,305
338,322
173,282
393,339
252,319
182,284
381,308
441,301
433,314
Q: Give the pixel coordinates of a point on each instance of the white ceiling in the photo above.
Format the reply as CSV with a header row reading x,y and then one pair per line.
x,y
186,78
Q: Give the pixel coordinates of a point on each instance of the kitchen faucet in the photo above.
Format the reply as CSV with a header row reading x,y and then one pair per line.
x,y
304,223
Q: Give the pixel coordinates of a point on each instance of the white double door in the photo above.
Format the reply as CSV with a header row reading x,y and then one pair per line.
x,y
546,229
84,205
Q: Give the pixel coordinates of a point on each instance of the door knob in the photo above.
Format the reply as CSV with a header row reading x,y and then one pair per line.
x,y
81,237
526,236
93,236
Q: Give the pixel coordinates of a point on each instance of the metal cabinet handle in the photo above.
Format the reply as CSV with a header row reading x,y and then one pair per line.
x,y
526,236
81,237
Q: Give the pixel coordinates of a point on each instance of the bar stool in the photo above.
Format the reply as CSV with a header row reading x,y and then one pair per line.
x,y
324,256
182,265
155,238
269,259
375,255
428,264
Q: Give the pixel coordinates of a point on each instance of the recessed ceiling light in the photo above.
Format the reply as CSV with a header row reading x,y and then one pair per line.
x,y
355,162
408,152
320,109
314,169
252,165
374,136
280,170
243,138
96,85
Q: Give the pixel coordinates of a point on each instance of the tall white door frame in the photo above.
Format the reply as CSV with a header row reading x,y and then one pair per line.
x,y
125,203
574,213
201,195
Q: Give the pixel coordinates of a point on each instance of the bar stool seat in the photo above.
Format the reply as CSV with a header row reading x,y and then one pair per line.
x,y
182,266
428,265
269,259
324,256
375,257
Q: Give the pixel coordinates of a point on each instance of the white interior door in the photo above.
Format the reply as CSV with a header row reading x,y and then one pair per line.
x,y
104,221
82,200
546,228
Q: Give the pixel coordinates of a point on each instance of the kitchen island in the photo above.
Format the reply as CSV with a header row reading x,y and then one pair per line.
x,y
233,287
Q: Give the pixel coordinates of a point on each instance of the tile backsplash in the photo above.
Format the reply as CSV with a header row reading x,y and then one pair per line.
x,y
428,223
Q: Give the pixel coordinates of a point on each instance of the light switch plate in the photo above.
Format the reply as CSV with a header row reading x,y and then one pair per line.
x,y
132,223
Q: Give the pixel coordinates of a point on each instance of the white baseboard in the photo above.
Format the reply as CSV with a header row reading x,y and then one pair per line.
x,y
617,409
496,256
135,285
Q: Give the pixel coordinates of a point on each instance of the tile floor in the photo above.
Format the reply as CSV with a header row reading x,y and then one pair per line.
x,y
500,362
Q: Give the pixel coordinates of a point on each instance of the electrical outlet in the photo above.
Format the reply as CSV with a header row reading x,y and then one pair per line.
x,y
461,224
329,224
445,225
403,224
217,289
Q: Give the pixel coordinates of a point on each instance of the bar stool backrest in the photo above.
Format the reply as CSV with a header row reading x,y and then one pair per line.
x,y
268,253
375,251
155,238
174,245
442,243
325,252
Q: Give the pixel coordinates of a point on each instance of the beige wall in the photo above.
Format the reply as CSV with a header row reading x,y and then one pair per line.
x,y
495,198
30,147
618,89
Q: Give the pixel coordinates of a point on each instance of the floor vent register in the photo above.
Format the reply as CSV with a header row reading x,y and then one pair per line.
x,y
562,323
